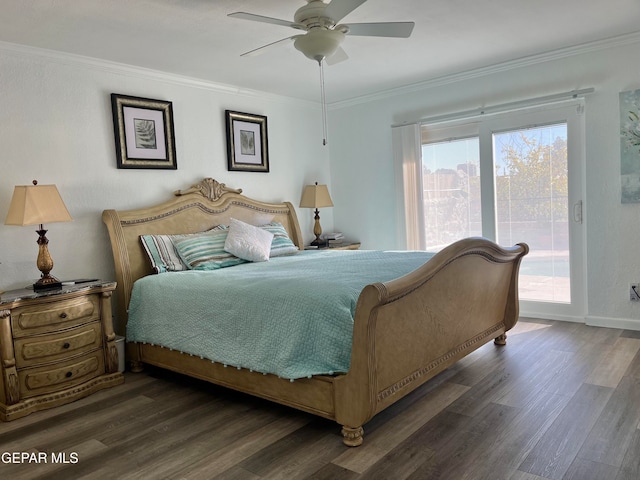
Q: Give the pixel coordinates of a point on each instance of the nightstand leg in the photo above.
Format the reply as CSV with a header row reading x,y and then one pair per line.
x,y
10,394
111,350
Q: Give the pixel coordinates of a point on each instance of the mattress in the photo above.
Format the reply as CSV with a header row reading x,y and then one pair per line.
x,y
291,316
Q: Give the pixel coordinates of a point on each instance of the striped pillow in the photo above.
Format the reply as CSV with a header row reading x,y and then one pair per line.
x,y
281,243
162,253
205,251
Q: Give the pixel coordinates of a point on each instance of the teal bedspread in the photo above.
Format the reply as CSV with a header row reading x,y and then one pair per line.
x,y
291,316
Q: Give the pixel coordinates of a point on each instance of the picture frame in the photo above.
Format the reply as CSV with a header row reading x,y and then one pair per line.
x,y
630,146
144,133
247,142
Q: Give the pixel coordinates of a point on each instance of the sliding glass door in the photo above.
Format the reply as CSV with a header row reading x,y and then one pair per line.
x,y
532,202
451,191
514,177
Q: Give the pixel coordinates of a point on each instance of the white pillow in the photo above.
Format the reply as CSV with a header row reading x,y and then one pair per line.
x,y
248,242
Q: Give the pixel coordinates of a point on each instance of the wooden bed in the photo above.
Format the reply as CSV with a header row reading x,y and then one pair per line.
x,y
405,331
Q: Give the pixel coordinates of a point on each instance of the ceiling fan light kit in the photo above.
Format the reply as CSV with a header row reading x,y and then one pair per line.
x,y
324,36
319,44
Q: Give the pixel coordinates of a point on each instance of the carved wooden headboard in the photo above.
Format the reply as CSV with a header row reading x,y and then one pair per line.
x,y
196,209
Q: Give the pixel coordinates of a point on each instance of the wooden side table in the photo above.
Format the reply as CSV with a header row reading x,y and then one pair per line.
x,y
344,246
56,346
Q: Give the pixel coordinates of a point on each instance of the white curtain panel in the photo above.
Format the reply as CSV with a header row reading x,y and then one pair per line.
x,y
407,154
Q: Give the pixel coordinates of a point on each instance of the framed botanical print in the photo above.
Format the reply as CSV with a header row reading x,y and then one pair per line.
x,y
630,146
247,143
144,132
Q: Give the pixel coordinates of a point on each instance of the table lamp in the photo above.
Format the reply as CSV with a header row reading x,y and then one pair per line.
x,y
316,196
35,205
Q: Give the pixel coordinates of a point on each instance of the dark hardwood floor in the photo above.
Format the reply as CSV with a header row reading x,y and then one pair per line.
x,y
560,401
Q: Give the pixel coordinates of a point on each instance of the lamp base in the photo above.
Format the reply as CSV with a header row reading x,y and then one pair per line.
x,y
47,282
45,264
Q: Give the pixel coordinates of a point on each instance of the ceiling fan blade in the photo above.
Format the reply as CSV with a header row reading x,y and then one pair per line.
x,y
383,29
262,49
339,56
338,9
263,19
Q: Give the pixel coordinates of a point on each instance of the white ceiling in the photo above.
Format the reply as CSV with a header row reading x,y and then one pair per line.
x,y
195,38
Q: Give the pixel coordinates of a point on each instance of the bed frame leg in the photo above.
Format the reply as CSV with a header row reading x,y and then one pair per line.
x,y
136,366
501,340
352,437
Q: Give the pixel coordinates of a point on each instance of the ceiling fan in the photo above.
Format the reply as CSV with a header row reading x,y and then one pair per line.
x,y
323,34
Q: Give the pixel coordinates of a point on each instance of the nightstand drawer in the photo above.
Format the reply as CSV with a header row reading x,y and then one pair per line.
x,y
54,316
54,378
37,350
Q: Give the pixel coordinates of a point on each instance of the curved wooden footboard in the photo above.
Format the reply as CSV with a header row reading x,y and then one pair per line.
x,y
408,330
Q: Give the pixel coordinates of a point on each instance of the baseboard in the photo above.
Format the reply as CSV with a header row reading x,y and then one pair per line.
x,y
623,323
550,316
593,321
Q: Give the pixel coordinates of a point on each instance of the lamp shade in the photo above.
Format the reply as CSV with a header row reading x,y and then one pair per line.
x,y
316,196
36,204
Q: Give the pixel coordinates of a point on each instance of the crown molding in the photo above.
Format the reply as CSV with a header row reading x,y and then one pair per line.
x,y
142,72
613,42
92,63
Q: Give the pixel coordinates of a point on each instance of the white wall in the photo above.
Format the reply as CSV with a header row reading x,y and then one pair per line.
x,y
362,171
56,127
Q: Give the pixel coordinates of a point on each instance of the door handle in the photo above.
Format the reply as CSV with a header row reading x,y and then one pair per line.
x,y
577,212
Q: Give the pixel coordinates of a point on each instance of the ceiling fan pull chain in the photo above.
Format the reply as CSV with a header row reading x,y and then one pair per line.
x,y
324,104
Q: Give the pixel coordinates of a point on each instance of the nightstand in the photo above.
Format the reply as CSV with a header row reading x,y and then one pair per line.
x,y
340,246
347,245
56,346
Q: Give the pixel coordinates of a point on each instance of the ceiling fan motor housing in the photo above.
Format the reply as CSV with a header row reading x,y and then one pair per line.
x,y
312,15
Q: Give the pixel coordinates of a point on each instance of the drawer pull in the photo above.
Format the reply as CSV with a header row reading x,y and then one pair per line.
x,y
66,345
68,374
63,315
